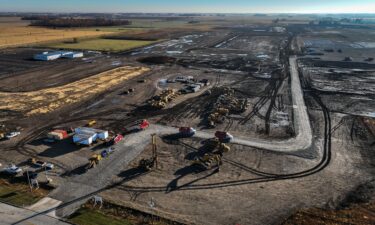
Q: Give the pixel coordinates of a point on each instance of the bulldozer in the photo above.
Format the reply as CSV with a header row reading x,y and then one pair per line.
x,y
93,161
208,161
215,118
215,146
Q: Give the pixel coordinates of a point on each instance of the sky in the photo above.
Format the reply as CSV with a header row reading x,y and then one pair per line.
x,y
190,6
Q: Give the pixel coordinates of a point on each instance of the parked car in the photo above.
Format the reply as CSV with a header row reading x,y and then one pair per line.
x,y
13,134
12,169
187,131
224,137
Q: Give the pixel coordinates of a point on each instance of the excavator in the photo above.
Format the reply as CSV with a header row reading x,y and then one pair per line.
x,y
93,161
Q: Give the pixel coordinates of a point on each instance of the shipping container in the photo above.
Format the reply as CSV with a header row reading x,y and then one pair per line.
x,y
58,134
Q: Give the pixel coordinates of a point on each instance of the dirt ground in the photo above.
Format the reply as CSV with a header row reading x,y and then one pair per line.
x,y
253,186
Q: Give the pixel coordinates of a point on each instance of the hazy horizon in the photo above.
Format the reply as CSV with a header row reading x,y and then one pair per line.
x,y
192,6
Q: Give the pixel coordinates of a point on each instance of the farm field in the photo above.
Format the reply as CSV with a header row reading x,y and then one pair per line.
x,y
101,44
15,32
49,99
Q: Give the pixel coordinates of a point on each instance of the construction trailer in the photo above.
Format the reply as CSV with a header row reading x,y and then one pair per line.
x,y
87,135
85,139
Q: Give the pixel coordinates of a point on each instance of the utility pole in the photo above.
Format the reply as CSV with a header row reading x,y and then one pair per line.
x,y
28,179
154,150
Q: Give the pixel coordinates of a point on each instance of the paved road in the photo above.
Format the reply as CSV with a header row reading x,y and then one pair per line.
x,y
78,189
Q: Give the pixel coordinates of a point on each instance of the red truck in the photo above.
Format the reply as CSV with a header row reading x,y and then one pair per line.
x,y
138,125
115,140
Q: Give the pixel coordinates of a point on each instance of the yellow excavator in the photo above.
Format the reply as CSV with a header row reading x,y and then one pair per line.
x,y
93,161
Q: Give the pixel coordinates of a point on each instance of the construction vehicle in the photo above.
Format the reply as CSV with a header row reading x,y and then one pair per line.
x,y
93,161
91,123
187,131
160,101
150,163
208,161
215,146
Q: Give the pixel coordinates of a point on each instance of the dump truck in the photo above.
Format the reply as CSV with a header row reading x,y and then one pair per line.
x,y
93,161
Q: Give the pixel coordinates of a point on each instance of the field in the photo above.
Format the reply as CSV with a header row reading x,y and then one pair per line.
x,y
19,194
15,32
46,100
101,44
95,217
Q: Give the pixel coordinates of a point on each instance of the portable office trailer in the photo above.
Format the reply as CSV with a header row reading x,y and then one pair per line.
x,y
84,139
101,134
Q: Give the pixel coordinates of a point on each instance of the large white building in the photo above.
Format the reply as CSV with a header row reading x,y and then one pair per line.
x,y
47,56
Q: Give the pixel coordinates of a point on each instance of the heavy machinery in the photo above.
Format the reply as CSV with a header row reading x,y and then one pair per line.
x,y
215,146
93,161
160,101
91,123
208,161
150,163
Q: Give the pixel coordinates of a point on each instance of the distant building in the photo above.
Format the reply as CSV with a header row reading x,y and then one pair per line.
x,y
48,56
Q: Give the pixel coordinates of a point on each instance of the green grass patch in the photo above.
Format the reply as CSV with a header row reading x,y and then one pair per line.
x,y
101,44
86,216
21,198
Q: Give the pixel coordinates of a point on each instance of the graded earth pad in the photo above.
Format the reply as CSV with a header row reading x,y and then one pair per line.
x,y
47,100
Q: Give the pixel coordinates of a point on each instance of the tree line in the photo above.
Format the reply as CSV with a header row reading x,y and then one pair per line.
x,y
75,22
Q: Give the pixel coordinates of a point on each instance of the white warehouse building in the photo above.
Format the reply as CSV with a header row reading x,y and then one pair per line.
x,y
47,56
